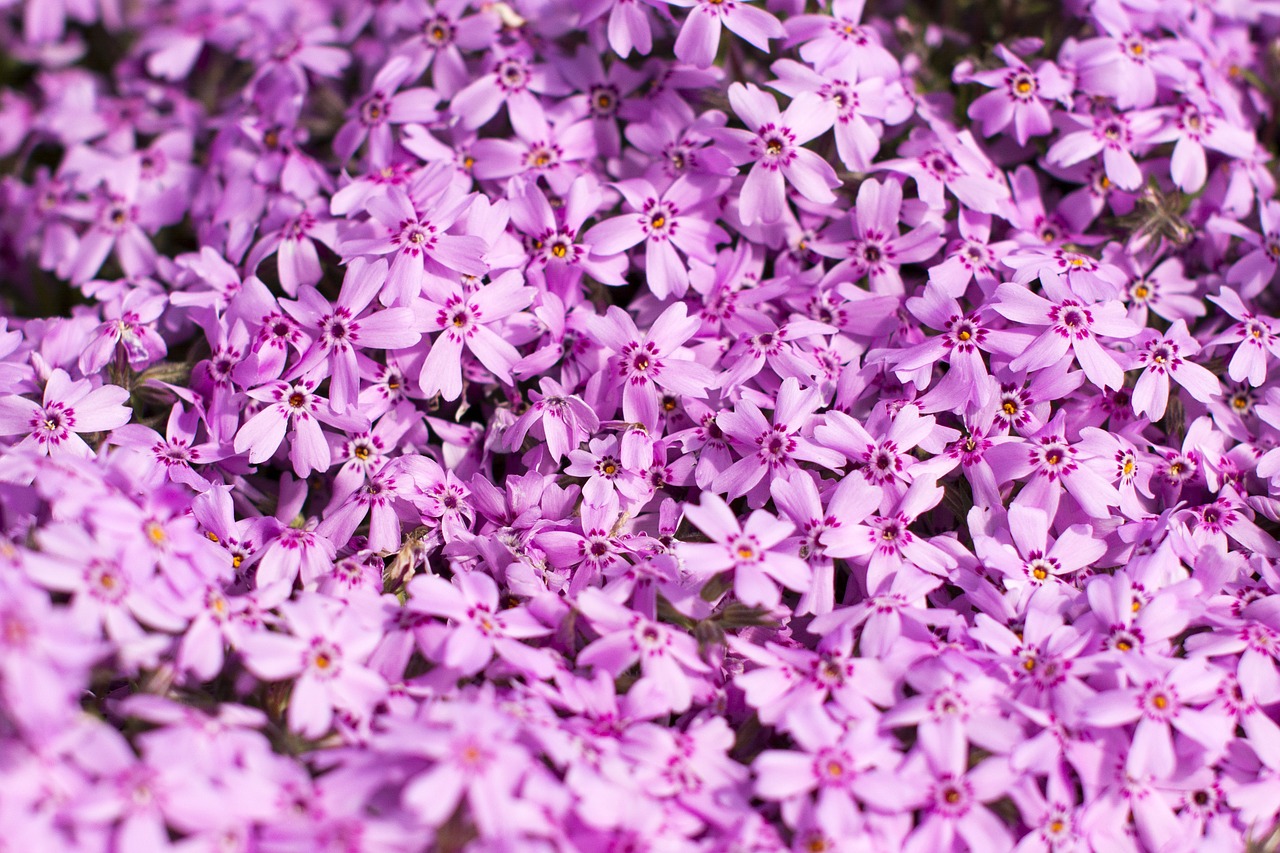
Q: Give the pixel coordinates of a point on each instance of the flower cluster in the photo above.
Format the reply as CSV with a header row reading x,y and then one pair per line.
x,y
673,425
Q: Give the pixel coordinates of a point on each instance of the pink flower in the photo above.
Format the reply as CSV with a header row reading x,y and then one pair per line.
x,y
68,409
646,362
1258,268
466,320
561,419
478,627
773,140
669,663
1019,96
415,224
771,450
1117,136
1070,325
871,245
677,218
383,107
340,330
325,652
751,551
1165,357
293,408
699,37
1192,131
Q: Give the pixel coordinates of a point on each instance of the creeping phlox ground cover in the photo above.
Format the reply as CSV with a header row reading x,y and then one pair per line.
x,y
639,425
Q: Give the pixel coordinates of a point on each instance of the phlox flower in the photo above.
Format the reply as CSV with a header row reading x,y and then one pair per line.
x,y
443,499
1048,463
512,80
938,780
558,254
1133,469
45,656
1069,325
646,362
858,108
177,451
706,441
1257,269
966,386
1082,275
1255,334
871,244
787,683
628,27
1123,63
1031,561
602,548
464,319
1125,619
941,160
1213,523
1118,137
974,257
1192,130
1161,287
1047,658
699,37
832,761
289,46
340,330
118,220
376,499
750,550
360,454
1167,356
290,231
669,663
325,650
372,118
1163,700
601,463
842,36
1019,96
605,92
474,755
779,347
414,225
771,450
442,31
290,554
676,218
884,459
886,541
68,409
773,141
797,497
680,145
544,148
562,420
479,628
257,345
295,408
128,332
